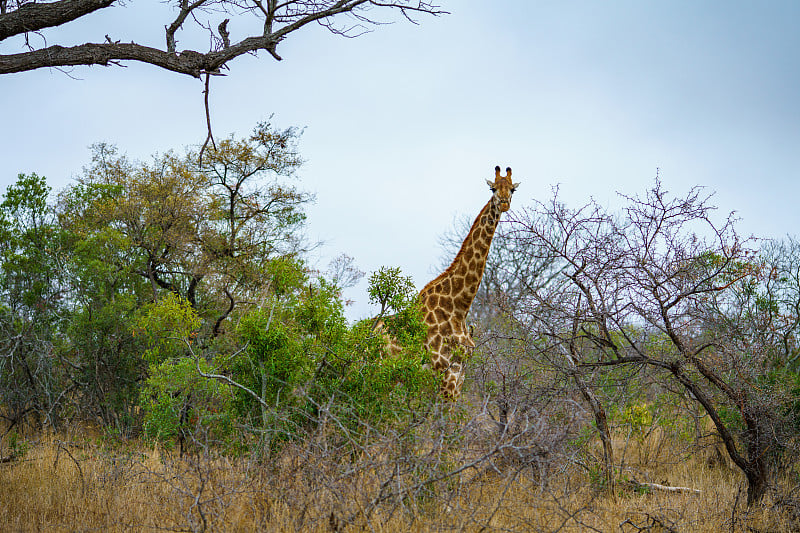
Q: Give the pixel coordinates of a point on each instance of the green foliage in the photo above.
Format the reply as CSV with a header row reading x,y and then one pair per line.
x,y
793,407
29,246
297,355
373,385
179,402
286,274
207,231
274,359
319,312
670,416
638,416
302,355
171,297
394,292
108,357
17,446
32,305
273,364
597,477
138,263
167,326
384,389
390,290
177,399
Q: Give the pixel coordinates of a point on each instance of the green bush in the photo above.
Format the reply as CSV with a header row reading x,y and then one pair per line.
x,y
294,367
177,400
179,403
308,365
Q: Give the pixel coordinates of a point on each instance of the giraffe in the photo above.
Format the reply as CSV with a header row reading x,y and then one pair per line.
x,y
446,300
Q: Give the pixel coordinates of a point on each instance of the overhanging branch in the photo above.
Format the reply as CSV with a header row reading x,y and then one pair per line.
x,y
188,62
35,16
293,15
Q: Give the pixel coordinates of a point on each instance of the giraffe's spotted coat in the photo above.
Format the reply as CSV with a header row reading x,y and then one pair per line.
x,y
446,300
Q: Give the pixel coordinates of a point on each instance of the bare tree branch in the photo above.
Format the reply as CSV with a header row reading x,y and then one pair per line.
x,y
279,20
33,16
186,9
667,286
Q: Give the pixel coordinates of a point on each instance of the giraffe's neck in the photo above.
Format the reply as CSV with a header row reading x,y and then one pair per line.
x,y
471,258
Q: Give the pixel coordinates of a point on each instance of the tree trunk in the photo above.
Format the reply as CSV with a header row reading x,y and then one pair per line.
x,y
758,449
754,463
756,484
601,421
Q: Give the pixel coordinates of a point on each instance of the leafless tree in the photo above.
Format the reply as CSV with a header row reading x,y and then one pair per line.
x,y
343,271
660,287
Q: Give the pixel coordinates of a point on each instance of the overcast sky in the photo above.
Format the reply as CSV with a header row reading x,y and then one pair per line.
x,y
404,124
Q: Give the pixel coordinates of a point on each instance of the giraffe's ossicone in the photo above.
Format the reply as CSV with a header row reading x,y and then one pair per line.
x,y
446,300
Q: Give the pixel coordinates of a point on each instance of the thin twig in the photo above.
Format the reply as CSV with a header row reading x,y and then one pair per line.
x,y
210,136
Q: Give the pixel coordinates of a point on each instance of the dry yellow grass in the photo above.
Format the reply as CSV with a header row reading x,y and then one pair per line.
x,y
79,485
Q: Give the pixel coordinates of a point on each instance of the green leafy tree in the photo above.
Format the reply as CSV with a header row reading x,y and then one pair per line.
x,y
179,401
205,232
31,304
217,235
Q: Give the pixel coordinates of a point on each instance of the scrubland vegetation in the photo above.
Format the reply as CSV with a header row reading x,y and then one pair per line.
x,y
169,361
77,482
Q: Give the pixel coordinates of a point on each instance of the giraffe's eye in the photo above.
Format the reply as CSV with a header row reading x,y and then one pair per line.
x,y
493,189
513,190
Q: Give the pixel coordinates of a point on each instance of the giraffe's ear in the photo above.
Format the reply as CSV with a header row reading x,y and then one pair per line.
x,y
515,185
490,183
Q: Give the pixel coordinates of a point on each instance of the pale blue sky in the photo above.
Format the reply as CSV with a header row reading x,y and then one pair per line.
x,y
403,125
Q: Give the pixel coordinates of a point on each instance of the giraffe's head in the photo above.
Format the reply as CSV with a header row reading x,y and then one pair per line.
x,y
503,188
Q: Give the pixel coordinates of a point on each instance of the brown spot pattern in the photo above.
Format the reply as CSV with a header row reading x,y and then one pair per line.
x,y
458,284
447,299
